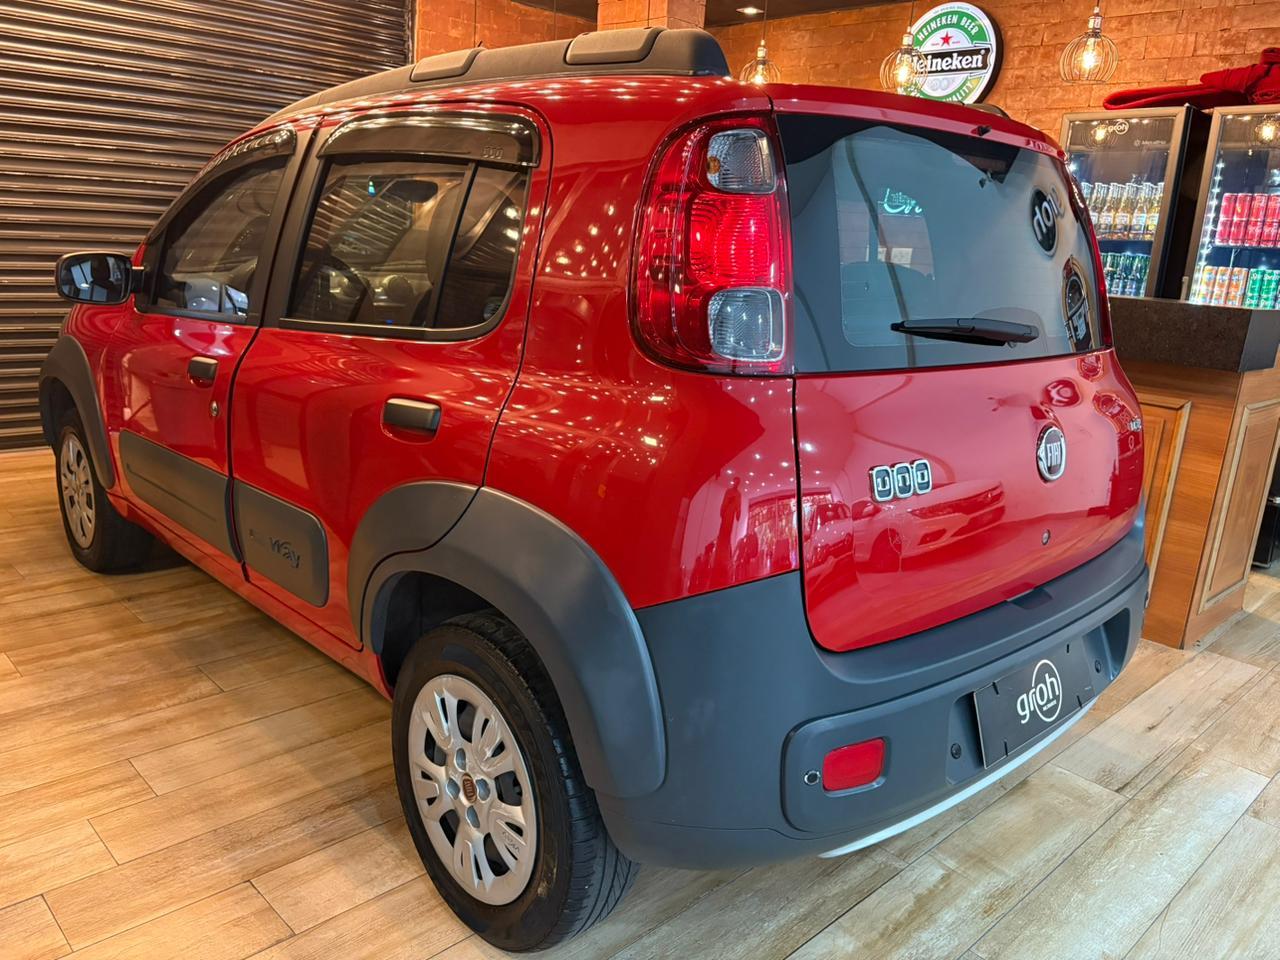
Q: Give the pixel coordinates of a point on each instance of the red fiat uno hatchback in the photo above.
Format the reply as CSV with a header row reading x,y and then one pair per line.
x,y
711,474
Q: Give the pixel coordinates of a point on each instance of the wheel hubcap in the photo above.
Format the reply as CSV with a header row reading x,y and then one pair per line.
x,y
77,490
473,789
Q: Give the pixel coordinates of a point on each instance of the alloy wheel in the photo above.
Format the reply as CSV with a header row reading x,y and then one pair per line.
x,y
77,490
473,789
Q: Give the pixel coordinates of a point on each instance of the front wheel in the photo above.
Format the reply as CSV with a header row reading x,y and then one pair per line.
x,y
491,787
99,537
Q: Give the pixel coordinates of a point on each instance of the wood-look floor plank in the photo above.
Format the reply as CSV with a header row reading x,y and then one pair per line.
x,y
234,672
331,881
1248,734
1229,906
782,906
410,922
54,757
191,761
198,637
7,670
37,864
1130,747
230,925
944,902
1267,807
86,709
187,812
28,932
64,624
133,893
78,797
1116,883
1151,663
1254,637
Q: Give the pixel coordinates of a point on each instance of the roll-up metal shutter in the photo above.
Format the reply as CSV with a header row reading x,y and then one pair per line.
x,y
108,108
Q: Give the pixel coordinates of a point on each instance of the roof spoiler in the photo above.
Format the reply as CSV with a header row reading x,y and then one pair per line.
x,y
641,50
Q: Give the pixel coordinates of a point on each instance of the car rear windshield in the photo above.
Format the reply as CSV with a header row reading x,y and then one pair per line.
x,y
914,248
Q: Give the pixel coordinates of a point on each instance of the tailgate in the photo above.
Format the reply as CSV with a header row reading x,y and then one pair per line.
x,y
964,433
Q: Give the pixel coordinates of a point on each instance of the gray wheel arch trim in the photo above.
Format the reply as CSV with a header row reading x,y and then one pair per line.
x,y
562,597
68,365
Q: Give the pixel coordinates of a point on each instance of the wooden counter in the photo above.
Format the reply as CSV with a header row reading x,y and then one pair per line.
x,y
1209,387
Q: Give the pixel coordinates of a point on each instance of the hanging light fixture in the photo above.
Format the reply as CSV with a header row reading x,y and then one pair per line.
x,y
1267,132
761,70
906,69
1090,57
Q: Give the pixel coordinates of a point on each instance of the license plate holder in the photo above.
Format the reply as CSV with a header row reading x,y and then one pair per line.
x,y
1031,700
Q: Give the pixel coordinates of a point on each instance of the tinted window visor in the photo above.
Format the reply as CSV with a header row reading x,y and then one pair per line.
x,y
922,249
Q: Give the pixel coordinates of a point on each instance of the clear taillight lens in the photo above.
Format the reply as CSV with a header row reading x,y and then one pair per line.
x,y
713,258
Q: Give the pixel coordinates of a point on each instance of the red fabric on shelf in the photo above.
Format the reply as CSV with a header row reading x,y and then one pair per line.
x,y
1258,83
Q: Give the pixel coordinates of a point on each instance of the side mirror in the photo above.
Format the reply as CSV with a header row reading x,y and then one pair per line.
x,y
95,277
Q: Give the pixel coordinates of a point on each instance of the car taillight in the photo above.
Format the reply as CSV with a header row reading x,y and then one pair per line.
x,y
713,257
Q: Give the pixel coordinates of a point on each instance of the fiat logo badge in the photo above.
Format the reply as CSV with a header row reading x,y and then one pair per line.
x,y
1051,453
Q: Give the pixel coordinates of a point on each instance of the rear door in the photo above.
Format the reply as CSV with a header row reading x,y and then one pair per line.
x,y
171,361
964,432
394,330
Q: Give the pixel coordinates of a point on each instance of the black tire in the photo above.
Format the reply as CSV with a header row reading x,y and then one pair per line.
x,y
578,876
113,542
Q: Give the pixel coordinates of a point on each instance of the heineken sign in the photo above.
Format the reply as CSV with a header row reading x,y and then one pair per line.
x,y
962,46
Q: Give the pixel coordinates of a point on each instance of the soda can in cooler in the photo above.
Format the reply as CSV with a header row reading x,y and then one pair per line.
x,y
1257,216
1225,216
1235,289
1271,222
1270,288
1221,285
1204,288
1240,219
1253,287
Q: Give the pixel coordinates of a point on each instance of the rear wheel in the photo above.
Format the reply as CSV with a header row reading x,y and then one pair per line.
x,y
99,537
492,790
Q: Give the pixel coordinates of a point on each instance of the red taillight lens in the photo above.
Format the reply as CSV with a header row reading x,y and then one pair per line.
x,y
856,765
713,260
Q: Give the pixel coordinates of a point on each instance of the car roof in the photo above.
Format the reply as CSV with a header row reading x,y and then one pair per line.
x,y
647,61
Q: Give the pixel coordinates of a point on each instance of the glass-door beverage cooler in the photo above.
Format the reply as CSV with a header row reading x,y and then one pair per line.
x,y
1136,169
1236,260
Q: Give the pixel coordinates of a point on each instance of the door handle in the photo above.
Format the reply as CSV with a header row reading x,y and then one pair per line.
x,y
407,414
202,369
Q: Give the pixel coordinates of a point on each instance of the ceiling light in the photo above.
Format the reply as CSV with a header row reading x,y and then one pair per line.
x,y
750,11
1090,57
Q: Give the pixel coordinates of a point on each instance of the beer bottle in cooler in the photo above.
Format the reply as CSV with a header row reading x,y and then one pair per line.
x,y
1124,212
1107,216
1270,289
1153,211
1138,224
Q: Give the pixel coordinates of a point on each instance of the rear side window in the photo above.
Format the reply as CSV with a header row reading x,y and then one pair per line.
x,y
211,249
410,244
930,233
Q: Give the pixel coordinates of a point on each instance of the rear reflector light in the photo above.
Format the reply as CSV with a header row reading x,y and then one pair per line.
x,y
741,161
746,324
712,262
855,765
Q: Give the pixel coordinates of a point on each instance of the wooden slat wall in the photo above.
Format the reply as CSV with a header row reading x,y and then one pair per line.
x,y
106,111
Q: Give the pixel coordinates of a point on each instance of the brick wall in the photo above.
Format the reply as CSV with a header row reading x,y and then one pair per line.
x,y
1160,42
444,25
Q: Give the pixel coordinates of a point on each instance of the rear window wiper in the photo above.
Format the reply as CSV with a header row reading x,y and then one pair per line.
x,y
979,330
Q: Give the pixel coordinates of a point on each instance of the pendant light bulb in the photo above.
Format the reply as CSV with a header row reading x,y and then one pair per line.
x,y
761,70
1091,57
905,70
